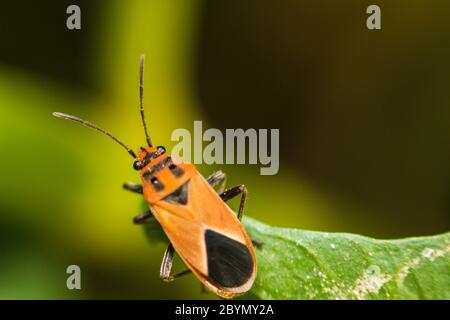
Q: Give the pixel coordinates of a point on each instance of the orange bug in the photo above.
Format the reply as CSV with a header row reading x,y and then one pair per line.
x,y
201,227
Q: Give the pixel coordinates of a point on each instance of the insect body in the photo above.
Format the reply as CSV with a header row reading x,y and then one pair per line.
x,y
201,227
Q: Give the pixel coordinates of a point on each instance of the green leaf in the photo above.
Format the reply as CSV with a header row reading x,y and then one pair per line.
x,y
299,264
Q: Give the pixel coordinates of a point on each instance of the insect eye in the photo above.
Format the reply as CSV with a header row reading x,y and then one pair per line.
x,y
161,150
137,165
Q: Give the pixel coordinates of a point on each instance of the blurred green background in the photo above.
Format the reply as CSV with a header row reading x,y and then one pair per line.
x,y
364,120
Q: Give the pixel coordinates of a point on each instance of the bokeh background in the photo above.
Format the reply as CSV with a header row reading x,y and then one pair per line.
x,y
364,119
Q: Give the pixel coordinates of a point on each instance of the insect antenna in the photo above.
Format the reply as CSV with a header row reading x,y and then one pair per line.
x,y
141,99
93,126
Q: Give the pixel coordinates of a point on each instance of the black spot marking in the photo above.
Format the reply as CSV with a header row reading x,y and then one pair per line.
x,y
230,263
157,185
176,170
179,196
159,166
147,175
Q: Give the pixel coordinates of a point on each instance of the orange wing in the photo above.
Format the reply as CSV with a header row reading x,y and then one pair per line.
x,y
202,215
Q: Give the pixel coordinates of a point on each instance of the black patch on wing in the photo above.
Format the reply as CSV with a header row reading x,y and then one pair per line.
x,y
230,263
179,196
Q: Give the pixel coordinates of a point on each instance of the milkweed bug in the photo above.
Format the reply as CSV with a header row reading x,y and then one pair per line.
x,y
200,226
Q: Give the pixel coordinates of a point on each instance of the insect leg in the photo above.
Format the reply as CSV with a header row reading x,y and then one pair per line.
x,y
144,217
166,266
218,177
133,187
233,192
